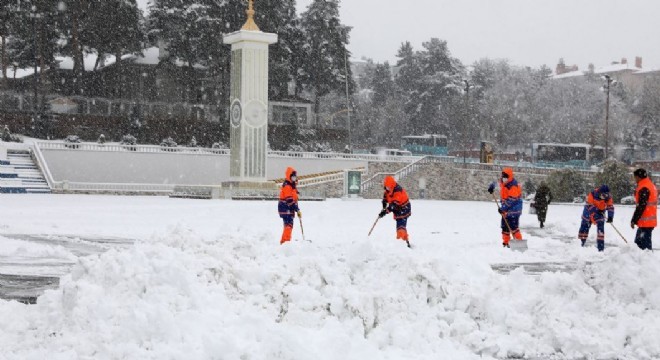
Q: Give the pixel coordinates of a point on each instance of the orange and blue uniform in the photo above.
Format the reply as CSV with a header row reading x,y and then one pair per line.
x,y
288,204
397,202
598,201
511,206
646,212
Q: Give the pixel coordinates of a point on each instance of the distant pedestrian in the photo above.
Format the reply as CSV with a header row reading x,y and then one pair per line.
x,y
598,201
288,204
646,212
511,206
542,199
396,201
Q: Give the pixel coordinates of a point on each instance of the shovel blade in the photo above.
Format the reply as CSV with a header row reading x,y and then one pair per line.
x,y
518,245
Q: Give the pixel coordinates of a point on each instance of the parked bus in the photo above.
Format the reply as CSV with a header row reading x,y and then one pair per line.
x,y
567,155
425,144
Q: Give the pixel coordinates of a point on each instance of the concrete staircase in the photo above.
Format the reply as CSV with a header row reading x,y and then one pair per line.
x,y
19,174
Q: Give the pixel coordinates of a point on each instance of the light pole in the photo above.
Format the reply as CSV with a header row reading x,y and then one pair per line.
x,y
466,126
34,16
348,104
608,83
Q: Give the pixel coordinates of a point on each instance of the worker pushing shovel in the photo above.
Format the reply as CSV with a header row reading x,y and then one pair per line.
x,y
511,200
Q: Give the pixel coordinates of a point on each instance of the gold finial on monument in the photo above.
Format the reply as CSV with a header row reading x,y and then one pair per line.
x,y
250,24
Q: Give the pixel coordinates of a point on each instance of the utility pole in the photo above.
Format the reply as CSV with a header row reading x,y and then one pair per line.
x,y
348,103
467,119
608,82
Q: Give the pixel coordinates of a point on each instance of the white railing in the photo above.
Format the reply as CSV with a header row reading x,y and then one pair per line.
x,y
334,177
41,163
406,170
88,146
112,187
62,145
343,156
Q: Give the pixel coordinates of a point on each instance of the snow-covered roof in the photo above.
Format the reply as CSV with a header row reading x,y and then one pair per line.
x,y
18,73
569,74
616,68
151,56
647,71
66,62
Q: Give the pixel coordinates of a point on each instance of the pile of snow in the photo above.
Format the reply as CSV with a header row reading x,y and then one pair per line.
x,y
195,293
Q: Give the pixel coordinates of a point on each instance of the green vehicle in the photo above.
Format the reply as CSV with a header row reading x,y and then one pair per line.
x,y
427,144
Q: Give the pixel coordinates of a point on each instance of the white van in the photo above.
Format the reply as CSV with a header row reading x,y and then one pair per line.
x,y
393,152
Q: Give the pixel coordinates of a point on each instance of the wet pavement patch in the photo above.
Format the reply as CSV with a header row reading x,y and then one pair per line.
x,y
25,277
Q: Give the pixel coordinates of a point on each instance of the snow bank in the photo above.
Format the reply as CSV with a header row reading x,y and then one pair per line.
x,y
188,293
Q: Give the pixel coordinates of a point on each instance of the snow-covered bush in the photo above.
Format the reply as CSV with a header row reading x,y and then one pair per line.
x,y
128,140
193,142
219,145
72,141
101,139
566,184
168,144
7,136
617,176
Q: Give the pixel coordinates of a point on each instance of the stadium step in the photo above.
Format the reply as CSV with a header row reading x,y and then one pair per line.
x,y
20,175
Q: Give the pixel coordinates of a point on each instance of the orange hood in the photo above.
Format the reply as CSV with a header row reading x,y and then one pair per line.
x,y
289,171
389,182
509,172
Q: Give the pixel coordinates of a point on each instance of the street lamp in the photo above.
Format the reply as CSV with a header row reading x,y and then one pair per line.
x,y
608,83
348,104
467,118
34,16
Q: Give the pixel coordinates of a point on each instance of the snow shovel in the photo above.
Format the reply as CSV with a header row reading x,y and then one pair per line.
x,y
373,226
515,244
618,232
302,230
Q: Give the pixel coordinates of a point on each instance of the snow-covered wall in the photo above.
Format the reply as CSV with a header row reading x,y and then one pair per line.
x,y
79,165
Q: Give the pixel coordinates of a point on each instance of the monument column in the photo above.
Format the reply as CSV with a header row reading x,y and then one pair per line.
x,y
249,100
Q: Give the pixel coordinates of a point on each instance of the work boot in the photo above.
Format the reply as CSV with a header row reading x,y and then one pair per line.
x,y
506,245
584,241
601,245
541,224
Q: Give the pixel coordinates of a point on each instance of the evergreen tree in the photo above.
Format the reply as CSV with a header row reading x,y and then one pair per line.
x,y
34,36
188,30
76,14
285,57
382,84
6,7
118,34
434,105
325,66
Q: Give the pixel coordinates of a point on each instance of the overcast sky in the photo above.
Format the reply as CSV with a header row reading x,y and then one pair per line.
x,y
527,32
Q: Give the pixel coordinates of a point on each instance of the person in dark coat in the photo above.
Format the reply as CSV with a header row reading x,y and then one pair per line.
x,y
541,201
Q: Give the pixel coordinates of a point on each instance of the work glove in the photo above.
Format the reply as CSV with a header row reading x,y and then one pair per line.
x,y
491,188
384,202
632,225
499,210
299,213
382,213
610,219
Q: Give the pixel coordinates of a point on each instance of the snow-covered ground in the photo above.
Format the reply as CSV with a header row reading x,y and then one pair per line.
x,y
209,280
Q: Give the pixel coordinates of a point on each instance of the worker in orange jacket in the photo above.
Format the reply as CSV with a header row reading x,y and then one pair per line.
x,y
396,201
598,201
511,206
288,204
646,212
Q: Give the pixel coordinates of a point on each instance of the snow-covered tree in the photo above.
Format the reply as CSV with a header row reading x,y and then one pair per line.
x,y
325,65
